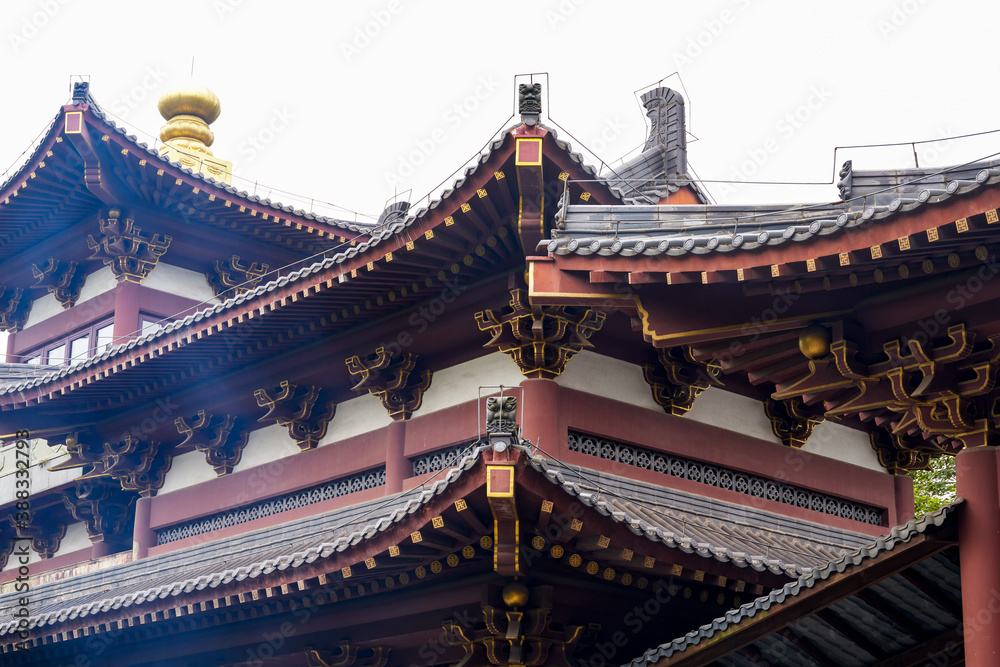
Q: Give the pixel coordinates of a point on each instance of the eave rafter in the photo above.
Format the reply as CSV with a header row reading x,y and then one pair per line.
x,y
904,289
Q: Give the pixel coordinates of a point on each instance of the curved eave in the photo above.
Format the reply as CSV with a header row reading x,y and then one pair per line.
x,y
445,234
325,552
49,192
436,237
720,239
728,629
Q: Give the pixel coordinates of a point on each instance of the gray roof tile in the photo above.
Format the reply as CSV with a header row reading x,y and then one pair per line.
x,y
875,626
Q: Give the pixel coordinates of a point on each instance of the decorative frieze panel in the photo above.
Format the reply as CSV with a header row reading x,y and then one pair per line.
x,y
106,510
724,478
938,397
130,253
289,501
678,379
62,279
792,420
13,309
219,437
442,459
540,339
305,410
234,276
393,378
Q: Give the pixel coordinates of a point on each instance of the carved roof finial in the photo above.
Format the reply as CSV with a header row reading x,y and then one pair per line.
x,y
665,108
529,102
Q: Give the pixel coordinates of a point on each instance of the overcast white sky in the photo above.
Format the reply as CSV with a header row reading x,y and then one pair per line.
x,y
339,102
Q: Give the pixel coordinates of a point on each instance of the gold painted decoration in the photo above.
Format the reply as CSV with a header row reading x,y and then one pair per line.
x,y
305,410
394,379
678,379
45,536
13,309
540,339
186,137
234,276
931,398
104,508
500,493
123,247
348,654
792,420
219,437
63,280
137,465
517,629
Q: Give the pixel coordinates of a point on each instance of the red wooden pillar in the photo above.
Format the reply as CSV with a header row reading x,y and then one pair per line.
x,y
142,536
903,496
126,311
397,466
539,410
977,472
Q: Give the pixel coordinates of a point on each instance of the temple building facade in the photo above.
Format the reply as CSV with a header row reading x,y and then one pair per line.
x,y
556,417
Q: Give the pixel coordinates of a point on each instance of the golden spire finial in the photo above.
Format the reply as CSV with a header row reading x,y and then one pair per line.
x,y
186,137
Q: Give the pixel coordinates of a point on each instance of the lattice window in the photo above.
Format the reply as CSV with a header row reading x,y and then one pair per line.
x,y
724,478
310,496
441,459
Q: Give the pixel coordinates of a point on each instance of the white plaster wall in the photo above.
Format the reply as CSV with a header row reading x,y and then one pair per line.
x,y
837,441
356,416
732,412
76,538
595,374
461,383
180,282
39,477
14,561
97,283
186,470
42,309
265,445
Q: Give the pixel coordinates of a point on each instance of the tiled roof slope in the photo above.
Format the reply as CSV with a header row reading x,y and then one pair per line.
x,y
396,220
223,561
711,528
934,618
694,524
699,229
97,111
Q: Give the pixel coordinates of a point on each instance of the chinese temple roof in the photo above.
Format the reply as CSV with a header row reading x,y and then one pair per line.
x,y
871,197
694,524
51,190
849,612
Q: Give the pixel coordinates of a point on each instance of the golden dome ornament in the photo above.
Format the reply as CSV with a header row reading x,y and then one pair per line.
x,y
186,137
814,341
515,594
